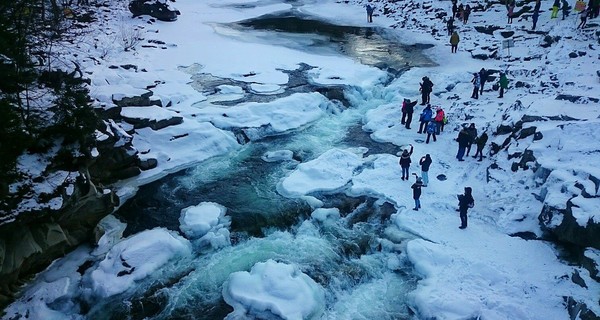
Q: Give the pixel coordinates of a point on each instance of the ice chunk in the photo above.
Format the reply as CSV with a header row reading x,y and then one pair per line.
x,y
273,288
136,258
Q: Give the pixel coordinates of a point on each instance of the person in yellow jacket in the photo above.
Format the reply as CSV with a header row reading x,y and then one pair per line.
x,y
454,40
555,8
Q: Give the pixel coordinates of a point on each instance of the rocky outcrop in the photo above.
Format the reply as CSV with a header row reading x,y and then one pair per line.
x,y
154,8
143,99
562,225
117,159
30,244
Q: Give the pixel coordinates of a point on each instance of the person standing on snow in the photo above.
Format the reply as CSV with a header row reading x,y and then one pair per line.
x,y
431,128
408,109
454,40
405,162
584,15
511,11
404,103
454,9
466,14
503,83
534,18
555,8
439,120
465,201
565,9
480,142
424,118
450,26
476,85
472,131
370,10
425,87
425,163
461,12
417,193
482,79
463,141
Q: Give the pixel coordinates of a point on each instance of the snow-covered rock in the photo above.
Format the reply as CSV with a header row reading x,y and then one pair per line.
x,y
273,289
136,258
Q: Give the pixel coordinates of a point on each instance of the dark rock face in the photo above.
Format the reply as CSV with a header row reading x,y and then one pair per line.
x,y
579,310
569,230
156,9
147,164
487,29
29,245
576,99
142,100
155,125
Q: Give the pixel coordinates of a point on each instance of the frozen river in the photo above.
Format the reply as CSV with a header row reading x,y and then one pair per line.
x,y
344,257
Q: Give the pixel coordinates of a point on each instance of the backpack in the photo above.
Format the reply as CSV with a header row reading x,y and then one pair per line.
x,y
431,127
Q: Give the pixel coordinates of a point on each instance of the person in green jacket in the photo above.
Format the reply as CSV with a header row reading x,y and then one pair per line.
x,y
503,82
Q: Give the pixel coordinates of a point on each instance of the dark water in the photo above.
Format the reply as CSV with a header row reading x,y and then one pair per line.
x,y
370,45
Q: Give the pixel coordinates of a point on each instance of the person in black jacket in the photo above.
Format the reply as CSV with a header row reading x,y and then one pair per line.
x,y
472,131
405,162
426,89
425,162
480,142
417,193
465,201
408,108
482,79
463,141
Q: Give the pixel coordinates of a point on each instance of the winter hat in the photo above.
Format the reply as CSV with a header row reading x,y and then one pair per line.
x,y
405,152
468,190
419,180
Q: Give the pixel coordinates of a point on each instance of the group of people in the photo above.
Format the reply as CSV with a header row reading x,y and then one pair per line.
x,y
467,137
461,12
480,78
591,11
465,200
429,124
433,124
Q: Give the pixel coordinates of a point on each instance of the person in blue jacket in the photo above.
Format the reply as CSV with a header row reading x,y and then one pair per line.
x,y
431,128
424,118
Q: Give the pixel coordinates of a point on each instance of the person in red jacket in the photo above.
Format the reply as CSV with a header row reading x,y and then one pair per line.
x,y
439,119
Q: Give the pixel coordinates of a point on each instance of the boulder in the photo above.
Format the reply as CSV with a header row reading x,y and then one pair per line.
x,y
155,8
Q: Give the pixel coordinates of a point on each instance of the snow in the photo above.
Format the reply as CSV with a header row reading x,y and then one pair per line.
x,y
150,113
326,214
479,272
206,224
135,258
279,155
320,175
273,288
